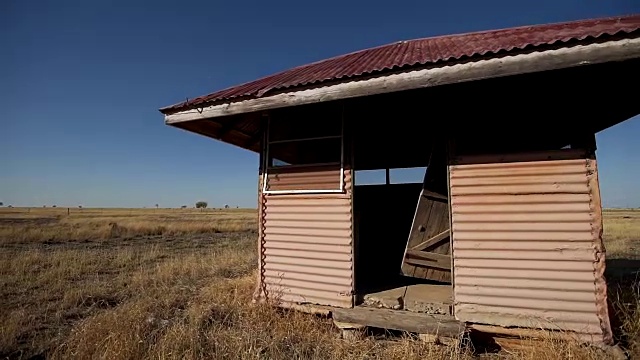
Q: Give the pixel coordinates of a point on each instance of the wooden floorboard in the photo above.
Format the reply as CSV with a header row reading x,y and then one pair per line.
x,y
443,325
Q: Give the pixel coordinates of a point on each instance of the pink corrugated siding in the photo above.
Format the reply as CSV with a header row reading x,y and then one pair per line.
x,y
327,178
525,240
308,248
404,54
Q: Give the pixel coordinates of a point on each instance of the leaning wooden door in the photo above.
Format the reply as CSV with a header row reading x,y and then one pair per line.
x,y
428,251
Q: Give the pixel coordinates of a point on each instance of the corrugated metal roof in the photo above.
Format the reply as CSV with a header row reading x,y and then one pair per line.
x,y
421,52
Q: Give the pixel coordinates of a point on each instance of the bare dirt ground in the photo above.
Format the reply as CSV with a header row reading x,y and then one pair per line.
x,y
177,283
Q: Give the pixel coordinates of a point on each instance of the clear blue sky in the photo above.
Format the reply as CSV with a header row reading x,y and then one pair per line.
x,y
81,82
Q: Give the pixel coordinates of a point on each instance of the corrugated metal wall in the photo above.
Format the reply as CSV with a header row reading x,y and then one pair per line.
x,y
308,247
319,178
526,240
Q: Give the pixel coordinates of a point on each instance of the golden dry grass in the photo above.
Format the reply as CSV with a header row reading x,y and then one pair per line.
x,y
71,287
622,233
622,241
59,224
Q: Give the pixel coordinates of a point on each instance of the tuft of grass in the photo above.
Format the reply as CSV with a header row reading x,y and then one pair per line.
x,y
625,301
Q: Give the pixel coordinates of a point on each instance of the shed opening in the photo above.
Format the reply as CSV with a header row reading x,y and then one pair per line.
x,y
394,167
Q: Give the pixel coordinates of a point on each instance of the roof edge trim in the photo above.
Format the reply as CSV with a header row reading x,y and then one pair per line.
x,y
535,61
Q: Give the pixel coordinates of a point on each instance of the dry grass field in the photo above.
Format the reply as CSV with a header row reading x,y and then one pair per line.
x,y
177,284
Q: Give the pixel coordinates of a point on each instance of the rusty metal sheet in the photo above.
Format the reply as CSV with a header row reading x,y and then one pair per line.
x,y
526,246
419,52
307,247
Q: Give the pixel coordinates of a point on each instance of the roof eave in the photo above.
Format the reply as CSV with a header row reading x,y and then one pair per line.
x,y
474,69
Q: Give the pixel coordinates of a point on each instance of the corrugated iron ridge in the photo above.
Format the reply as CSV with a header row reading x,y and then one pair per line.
x,y
347,65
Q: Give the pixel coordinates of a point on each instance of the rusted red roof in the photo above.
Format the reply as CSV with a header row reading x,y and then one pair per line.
x,y
419,52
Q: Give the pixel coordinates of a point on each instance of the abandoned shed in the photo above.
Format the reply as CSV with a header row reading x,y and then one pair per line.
x,y
504,227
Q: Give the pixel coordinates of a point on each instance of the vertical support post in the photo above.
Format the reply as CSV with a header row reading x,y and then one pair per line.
x,y
450,154
259,292
387,177
348,137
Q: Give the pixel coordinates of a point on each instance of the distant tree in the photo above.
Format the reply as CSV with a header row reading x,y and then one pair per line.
x,y
54,206
183,207
1,203
226,206
10,205
157,206
201,205
79,206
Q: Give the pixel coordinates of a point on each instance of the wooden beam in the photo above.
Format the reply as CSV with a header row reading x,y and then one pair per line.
x,y
427,264
523,63
421,258
253,139
443,325
429,256
432,241
434,195
228,126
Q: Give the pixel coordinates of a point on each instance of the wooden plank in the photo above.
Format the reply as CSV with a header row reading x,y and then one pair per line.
x,y
437,222
432,241
428,256
444,248
427,264
443,325
431,228
417,234
423,211
434,195
432,259
433,217
474,70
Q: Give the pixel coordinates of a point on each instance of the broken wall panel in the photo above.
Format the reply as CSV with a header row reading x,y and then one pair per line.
x,y
428,251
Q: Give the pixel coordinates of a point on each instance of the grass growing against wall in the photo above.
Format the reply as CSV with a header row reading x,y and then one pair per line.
x,y
177,284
